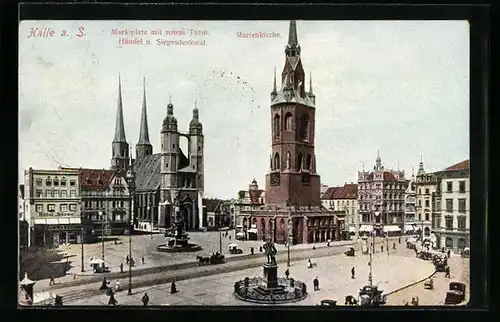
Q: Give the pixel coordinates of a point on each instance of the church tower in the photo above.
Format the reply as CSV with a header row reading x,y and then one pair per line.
x,y
143,147
196,147
119,147
293,179
169,154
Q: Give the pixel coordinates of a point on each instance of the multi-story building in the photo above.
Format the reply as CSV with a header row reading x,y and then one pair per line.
x,y
164,178
381,197
410,203
247,200
345,200
53,206
105,202
426,186
293,210
451,207
216,213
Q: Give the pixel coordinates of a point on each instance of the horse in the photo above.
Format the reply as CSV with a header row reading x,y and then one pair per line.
x,y
350,300
203,260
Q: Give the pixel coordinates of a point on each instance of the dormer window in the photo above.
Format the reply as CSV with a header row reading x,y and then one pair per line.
x,y
48,182
72,182
63,182
56,182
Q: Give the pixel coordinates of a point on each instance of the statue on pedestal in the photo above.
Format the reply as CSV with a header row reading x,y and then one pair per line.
x,y
270,251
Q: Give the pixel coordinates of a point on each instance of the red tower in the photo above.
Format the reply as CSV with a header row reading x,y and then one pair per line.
x,y
293,179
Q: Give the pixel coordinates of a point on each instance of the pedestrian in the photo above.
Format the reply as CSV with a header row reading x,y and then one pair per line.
x,y
316,284
309,263
353,273
393,246
251,250
449,253
314,247
104,284
117,286
112,300
327,244
260,249
382,248
287,273
142,260
173,288
127,259
229,237
145,299
447,272
52,280
399,239
121,267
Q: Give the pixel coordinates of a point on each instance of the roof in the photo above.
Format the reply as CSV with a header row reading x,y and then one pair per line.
x,y
211,204
464,165
255,195
147,172
389,176
348,191
94,178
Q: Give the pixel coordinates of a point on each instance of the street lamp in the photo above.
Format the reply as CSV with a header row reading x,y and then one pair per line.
x,y
290,237
102,233
81,234
131,185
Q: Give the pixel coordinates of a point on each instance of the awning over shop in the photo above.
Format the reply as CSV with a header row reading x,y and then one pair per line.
x,y
367,228
391,228
253,231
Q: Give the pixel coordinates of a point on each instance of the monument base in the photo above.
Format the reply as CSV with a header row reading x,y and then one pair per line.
x,y
271,275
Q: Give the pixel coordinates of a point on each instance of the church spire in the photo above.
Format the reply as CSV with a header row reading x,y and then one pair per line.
x,y
144,131
421,170
310,84
119,127
274,83
292,35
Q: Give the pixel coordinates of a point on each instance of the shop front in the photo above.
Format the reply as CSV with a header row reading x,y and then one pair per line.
x,y
56,235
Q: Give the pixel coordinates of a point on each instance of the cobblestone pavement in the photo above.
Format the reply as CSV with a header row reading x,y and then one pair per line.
x,y
390,272
459,271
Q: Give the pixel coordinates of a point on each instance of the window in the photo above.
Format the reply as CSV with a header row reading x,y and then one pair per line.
x,y
300,161
420,202
449,222
63,182
288,121
48,193
64,207
72,193
72,183
449,205
113,204
309,162
419,191
38,182
56,182
277,165
48,182
56,193
426,217
72,207
462,186
449,186
304,128
276,126
39,193
51,207
64,193
438,205
427,191
461,222
449,242
427,203
39,208
461,205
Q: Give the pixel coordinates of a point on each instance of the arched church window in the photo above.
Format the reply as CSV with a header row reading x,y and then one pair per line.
x,y
298,166
308,162
277,161
288,121
288,160
276,126
304,128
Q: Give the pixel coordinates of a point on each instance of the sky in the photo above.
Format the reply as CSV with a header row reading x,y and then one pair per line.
x,y
398,87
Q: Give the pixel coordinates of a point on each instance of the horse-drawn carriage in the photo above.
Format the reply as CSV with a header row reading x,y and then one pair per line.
x,y
371,296
98,265
214,259
234,249
456,294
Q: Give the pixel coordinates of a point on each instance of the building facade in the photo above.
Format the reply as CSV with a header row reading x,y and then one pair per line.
x,y
293,211
53,206
381,197
426,187
163,177
247,200
23,224
451,213
345,201
410,204
105,200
